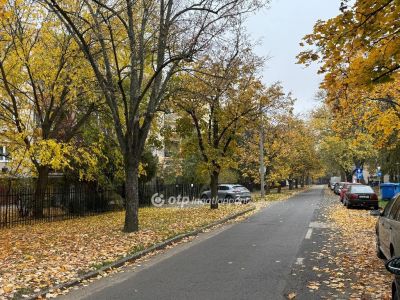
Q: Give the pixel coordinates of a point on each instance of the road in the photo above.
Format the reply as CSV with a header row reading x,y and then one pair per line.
x,y
253,259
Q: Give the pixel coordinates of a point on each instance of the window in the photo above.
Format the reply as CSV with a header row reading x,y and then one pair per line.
x,y
361,189
394,209
240,187
223,188
3,154
388,206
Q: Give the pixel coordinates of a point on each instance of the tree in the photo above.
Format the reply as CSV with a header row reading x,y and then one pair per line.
x,y
273,118
134,49
359,55
219,99
360,45
46,92
2,8
343,142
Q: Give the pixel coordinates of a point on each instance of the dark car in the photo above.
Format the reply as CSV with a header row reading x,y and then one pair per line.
x,y
393,266
388,230
345,188
229,193
361,196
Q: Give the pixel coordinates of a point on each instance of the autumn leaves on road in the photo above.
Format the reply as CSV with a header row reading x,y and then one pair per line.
x,y
340,261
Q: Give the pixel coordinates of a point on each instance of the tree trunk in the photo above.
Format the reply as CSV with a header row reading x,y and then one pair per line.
x,y
290,184
279,188
349,176
296,182
40,191
131,194
214,190
267,188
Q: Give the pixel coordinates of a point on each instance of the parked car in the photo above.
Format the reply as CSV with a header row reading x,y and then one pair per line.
x,y
338,187
345,188
361,195
333,181
388,230
393,266
229,193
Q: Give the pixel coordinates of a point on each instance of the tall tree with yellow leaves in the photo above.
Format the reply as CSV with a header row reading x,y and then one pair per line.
x,y
135,48
359,54
218,100
45,90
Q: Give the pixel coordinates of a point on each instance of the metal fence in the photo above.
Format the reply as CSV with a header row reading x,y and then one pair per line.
x,y
23,206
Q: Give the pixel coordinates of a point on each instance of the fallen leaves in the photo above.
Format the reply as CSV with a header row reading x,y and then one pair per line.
x,y
313,285
291,295
350,250
39,256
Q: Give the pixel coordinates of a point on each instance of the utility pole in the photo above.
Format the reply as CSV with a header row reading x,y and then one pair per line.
x,y
262,167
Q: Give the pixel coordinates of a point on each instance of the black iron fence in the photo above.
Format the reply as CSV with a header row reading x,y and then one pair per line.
x,y
23,206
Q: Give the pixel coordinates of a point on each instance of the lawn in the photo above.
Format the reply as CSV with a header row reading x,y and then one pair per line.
x,y
383,203
42,255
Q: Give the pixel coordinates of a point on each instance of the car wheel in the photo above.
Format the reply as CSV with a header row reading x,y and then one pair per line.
x,y
205,199
348,205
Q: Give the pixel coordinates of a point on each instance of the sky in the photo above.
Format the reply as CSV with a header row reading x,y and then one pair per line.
x,y
279,30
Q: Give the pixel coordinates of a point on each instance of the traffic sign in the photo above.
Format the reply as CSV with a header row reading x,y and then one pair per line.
x,y
359,173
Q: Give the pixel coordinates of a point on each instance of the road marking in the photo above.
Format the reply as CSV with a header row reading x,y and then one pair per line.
x,y
320,225
308,234
299,261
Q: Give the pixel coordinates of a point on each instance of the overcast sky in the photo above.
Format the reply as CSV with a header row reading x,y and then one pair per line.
x,y
280,29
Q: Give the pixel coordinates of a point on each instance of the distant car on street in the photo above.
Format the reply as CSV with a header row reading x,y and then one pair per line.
x,y
388,230
338,187
333,181
345,188
229,193
361,196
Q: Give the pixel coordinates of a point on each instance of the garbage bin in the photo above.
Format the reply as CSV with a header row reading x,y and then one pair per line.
x,y
397,189
388,190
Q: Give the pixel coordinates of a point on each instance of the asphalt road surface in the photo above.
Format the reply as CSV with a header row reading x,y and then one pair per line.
x,y
249,260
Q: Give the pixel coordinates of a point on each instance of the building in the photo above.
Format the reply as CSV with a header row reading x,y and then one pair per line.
x,y
4,159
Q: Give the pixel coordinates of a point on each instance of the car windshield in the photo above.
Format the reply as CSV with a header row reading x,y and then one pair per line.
x,y
361,189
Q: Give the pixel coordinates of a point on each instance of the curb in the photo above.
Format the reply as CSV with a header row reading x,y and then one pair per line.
x,y
136,255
